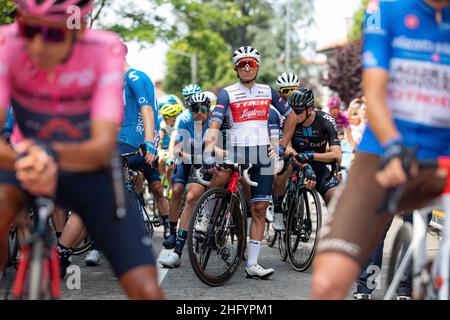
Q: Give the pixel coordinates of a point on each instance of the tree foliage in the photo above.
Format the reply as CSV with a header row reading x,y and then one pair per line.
x,y
7,11
358,20
260,23
345,72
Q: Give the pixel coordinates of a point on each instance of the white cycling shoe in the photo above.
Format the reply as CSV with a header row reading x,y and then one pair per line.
x,y
278,223
256,271
93,258
172,260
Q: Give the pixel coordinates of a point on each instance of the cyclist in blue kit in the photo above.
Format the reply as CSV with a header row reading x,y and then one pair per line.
x,y
406,79
140,126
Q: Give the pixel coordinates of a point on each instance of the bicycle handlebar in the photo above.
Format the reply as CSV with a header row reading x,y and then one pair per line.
x,y
393,195
235,167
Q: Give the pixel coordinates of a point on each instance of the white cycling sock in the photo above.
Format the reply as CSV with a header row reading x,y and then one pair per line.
x,y
254,247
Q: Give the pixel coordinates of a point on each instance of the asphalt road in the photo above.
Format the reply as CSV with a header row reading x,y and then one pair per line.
x,y
99,283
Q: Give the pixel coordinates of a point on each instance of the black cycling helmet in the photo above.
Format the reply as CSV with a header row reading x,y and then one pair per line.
x,y
301,99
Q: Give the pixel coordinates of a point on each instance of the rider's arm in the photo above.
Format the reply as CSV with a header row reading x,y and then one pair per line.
x,y
378,115
290,121
7,155
144,91
162,135
376,63
106,115
334,145
217,116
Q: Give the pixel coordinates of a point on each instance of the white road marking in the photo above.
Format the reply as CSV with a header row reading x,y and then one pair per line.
x,y
162,272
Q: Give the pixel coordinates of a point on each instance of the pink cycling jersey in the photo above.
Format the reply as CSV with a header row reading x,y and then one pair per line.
x,y
61,105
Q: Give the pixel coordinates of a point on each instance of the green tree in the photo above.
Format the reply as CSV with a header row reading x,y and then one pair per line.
x,y
7,11
358,20
214,68
238,22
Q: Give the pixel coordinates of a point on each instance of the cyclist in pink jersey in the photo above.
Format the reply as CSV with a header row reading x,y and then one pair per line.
x,y
64,83
342,122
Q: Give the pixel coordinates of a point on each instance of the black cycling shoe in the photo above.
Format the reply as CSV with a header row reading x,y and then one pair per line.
x,y
170,242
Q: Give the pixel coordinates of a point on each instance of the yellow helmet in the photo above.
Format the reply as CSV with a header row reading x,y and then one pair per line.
x,y
171,110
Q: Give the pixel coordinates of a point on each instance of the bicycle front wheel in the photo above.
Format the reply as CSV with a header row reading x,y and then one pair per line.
x,y
216,244
303,227
401,243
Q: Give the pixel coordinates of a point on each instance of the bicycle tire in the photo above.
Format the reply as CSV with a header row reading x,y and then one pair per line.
x,y
282,247
13,248
300,205
272,239
402,239
36,269
198,267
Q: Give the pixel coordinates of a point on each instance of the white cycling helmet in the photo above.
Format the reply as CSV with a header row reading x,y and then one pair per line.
x,y
212,97
246,52
288,79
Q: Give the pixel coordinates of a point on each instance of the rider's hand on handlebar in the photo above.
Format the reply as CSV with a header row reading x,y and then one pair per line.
x,y
37,170
152,152
170,163
209,162
395,165
304,157
310,178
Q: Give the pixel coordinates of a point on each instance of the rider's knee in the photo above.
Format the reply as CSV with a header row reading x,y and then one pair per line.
x,y
259,209
177,190
10,204
332,277
192,197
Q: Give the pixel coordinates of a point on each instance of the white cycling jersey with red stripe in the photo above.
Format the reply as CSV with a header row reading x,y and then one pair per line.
x,y
245,112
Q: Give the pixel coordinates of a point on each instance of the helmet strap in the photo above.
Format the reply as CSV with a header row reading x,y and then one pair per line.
x,y
246,81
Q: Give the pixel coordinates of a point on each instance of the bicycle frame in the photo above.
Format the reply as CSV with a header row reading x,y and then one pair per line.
x,y
440,271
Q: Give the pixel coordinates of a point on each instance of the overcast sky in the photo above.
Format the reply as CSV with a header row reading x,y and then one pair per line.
x,y
331,25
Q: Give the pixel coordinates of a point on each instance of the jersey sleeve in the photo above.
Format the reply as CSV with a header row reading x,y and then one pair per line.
x,y
142,88
182,129
331,131
107,97
274,120
5,81
9,124
278,103
221,107
377,36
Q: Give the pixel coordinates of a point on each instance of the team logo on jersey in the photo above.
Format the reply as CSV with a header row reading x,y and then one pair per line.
x,y
58,126
412,21
83,78
436,57
133,76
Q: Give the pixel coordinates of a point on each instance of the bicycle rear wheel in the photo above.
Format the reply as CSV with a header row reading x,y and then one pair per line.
x,y
401,243
303,227
216,254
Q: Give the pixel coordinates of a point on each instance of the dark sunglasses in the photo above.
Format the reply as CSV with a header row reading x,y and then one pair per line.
x,y
251,63
49,34
286,91
299,109
199,108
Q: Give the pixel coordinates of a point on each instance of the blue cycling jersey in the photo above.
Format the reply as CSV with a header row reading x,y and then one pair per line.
x,y
138,92
167,134
9,123
191,133
275,123
411,41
